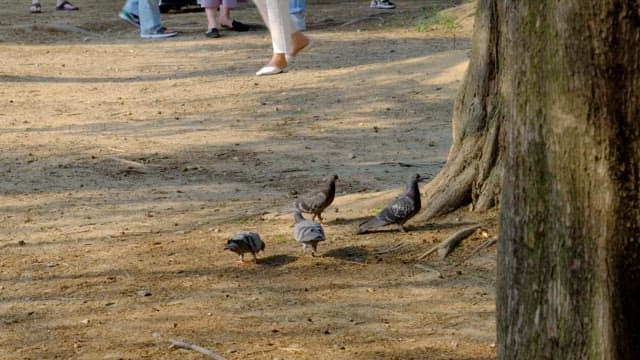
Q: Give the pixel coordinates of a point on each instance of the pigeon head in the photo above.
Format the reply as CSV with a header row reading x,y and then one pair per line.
x,y
232,245
412,184
334,177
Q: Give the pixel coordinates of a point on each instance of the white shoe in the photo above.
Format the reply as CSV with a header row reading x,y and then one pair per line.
x,y
270,70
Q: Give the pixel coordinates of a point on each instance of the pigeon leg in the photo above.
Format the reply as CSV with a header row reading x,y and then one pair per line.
x,y
241,259
314,247
255,258
401,228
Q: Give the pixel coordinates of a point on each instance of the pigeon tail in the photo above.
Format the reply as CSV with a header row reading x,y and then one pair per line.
x,y
371,223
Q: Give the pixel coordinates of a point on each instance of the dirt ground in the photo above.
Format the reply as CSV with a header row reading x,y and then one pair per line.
x,y
127,163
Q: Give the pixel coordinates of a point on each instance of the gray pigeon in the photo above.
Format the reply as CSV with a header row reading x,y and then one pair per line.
x,y
244,242
315,202
307,232
400,210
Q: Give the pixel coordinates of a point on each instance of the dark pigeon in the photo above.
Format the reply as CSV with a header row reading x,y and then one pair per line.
x,y
399,211
307,232
244,242
315,202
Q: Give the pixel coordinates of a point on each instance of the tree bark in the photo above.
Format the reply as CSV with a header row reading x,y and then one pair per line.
x,y
569,244
472,174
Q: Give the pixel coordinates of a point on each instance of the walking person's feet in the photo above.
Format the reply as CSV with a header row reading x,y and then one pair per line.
x,y
382,4
66,6
130,18
35,8
160,34
276,65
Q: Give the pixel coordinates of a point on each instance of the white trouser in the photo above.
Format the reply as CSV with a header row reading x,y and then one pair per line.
x,y
275,14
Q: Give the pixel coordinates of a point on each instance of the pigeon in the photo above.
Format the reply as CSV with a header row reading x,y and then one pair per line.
x,y
315,202
400,210
307,232
243,242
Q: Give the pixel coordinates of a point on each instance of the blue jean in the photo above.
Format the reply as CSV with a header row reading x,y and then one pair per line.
x,y
297,6
149,13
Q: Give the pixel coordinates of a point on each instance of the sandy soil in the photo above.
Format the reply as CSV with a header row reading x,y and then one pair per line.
x,y
126,164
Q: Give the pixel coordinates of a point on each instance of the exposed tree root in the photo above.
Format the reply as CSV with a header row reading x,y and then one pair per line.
x,y
484,245
447,246
473,171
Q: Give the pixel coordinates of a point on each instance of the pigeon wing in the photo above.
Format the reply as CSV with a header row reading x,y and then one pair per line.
x,y
311,202
399,211
305,231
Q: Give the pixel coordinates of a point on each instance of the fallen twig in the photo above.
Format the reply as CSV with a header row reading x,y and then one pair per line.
x,y
239,217
392,248
426,268
447,246
127,162
484,245
185,345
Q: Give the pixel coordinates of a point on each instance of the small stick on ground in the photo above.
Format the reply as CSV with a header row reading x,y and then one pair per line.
x,y
391,248
484,245
127,162
426,268
447,246
185,345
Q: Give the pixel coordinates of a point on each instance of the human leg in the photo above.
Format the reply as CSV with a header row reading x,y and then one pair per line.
x,y
297,8
275,14
211,11
212,22
227,21
150,21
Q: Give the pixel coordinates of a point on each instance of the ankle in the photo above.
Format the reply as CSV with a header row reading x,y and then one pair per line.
x,y
278,60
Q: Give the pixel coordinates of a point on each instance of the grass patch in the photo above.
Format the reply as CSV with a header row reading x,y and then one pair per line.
x,y
434,19
280,239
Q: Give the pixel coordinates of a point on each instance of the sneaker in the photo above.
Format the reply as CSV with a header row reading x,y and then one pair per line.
x,y
131,18
382,4
299,21
161,34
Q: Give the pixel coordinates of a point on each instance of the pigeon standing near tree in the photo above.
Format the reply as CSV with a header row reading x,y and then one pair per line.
x,y
400,210
307,232
244,242
315,202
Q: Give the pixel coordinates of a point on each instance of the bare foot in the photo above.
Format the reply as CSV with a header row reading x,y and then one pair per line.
x,y
300,41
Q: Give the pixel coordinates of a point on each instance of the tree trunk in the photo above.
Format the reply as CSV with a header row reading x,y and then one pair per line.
x,y
472,174
569,245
